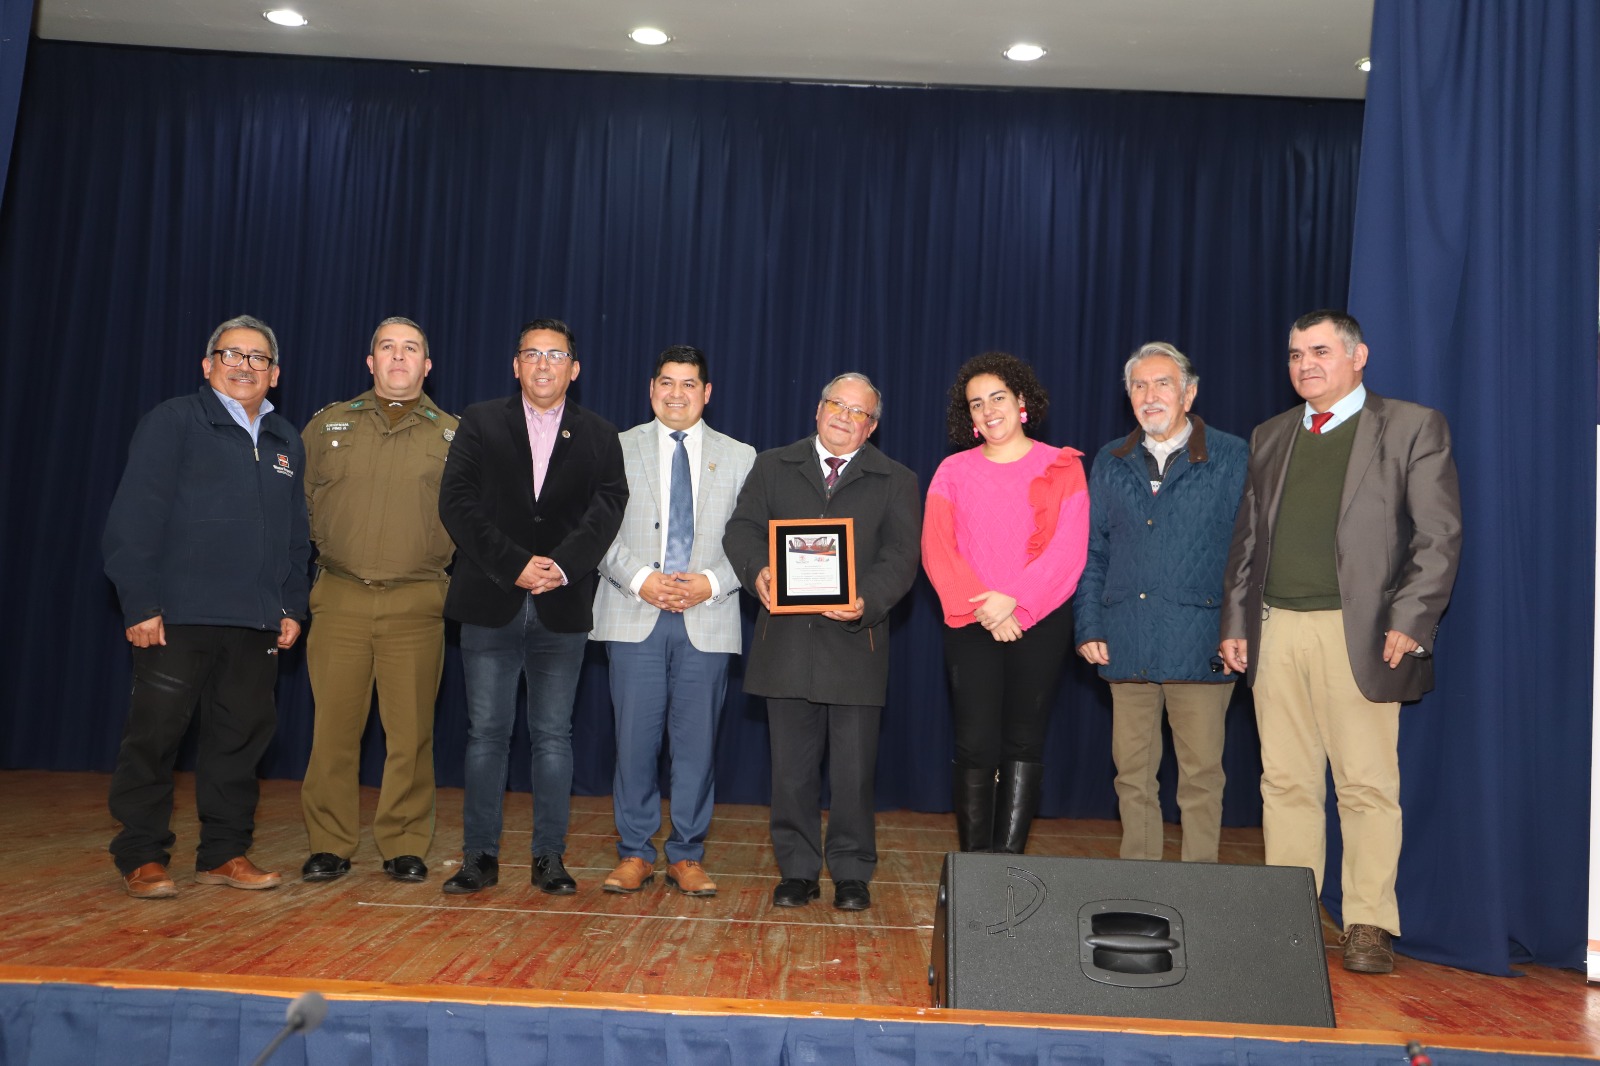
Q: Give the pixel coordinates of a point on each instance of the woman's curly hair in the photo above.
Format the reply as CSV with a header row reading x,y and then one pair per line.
x,y
1017,376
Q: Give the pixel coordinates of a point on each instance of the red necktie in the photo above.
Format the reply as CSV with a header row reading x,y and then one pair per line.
x,y
1318,421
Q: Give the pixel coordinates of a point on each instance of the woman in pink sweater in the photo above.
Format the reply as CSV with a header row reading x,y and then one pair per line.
x,y
1003,541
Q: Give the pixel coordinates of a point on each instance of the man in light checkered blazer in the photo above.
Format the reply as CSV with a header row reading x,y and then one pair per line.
x,y
668,608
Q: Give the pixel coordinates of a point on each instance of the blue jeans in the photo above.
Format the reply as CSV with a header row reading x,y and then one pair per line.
x,y
492,660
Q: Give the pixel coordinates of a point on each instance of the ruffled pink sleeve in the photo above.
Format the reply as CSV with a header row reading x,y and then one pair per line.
x,y
1059,545
949,573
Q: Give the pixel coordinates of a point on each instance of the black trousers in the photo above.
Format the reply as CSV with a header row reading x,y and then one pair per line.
x,y
1002,691
227,674
800,732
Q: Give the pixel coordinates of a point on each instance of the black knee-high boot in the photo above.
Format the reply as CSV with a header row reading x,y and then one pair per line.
x,y
1018,802
973,788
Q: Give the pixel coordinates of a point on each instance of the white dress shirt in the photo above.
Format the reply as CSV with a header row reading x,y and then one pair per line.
x,y
1342,411
692,440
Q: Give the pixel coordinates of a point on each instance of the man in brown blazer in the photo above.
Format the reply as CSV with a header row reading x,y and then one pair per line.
x,y
1344,553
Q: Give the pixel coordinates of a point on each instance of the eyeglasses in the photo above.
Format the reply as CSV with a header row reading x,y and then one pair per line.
x,y
554,357
856,414
234,357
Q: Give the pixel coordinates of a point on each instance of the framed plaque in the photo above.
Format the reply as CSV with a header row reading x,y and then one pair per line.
x,y
813,563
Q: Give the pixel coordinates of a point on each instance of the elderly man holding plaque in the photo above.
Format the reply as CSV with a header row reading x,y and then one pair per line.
x,y
826,535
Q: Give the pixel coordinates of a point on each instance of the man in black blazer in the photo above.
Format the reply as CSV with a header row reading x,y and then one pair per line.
x,y
825,676
533,495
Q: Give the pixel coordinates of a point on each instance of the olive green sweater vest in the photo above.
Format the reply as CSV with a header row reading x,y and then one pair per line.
x,y
1304,572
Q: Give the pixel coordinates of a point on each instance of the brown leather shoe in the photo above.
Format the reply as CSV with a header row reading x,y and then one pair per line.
x,y
689,878
1367,949
238,872
150,881
631,874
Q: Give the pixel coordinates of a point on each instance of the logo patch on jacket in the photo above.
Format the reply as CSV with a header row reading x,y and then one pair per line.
x,y
282,466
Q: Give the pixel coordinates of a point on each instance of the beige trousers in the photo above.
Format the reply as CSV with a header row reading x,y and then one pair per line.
x,y
1198,715
1312,716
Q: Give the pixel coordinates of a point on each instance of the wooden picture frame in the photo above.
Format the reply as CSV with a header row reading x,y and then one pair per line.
x,y
813,564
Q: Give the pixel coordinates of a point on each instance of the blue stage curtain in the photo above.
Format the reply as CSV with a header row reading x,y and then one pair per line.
x,y
75,1025
792,231
16,20
1474,275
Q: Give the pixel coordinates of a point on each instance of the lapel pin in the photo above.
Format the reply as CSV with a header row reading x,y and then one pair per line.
x,y
566,433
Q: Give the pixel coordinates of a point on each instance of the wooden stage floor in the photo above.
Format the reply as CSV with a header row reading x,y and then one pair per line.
x,y
64,916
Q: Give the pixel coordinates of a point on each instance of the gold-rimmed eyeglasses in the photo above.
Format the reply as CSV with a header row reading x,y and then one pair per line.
x,y
855,414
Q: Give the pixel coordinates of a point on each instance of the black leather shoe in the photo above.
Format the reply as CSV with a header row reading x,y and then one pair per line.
x,y
477,873
851,896
324,866
795,892
552,877
406,868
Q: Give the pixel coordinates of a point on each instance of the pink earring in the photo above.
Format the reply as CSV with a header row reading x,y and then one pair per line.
x,y
1024,414
976,434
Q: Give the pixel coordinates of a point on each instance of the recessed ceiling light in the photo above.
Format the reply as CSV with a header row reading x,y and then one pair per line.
x,y
282,16
649,35
1364,64
1023,53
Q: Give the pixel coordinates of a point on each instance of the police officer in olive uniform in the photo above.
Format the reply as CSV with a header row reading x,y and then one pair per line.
x,y
373,466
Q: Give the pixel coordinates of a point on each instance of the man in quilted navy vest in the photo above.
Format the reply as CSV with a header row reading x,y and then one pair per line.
x,y
1161,508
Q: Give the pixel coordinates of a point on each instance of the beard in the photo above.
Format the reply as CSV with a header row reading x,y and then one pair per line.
x,y
1158,424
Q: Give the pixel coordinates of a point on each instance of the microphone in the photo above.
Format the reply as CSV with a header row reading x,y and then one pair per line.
x,y
305,1013
1416,1054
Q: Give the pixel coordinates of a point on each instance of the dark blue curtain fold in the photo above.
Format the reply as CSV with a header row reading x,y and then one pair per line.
x,y
792,231
16,20
1474,276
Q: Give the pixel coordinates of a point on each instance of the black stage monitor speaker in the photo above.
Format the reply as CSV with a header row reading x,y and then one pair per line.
x,y
1128,939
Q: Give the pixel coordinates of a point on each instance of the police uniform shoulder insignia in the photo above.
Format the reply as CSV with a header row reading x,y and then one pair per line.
x,y
326,407
449,435
356,405
431,415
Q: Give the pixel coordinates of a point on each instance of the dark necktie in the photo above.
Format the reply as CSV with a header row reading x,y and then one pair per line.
x,y
680,511
835,464
1318,421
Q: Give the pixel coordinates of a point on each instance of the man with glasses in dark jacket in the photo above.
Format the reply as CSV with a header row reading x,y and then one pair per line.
x,y
533,496
207,545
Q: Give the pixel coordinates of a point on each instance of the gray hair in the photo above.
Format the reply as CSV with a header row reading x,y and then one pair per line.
x,y
1149,351
245,322
1345,325
877,415
397,320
